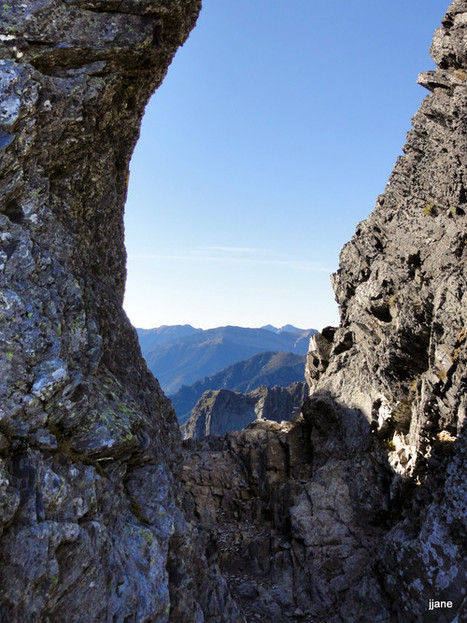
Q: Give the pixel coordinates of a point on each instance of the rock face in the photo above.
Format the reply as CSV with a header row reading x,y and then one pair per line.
x,y
242,488
89,506
221,411
399,355
356,511
298,511
370,523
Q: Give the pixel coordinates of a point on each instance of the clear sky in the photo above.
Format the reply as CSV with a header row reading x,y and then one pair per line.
x,y
276,128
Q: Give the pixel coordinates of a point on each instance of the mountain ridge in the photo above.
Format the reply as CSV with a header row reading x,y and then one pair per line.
x,y
200,353
220,411
269,368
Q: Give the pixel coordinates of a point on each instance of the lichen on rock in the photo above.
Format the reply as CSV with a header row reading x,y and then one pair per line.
x,y
354,512
81,418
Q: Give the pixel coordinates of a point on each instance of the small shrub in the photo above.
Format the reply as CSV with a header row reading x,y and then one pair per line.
x,y
392,300
429,209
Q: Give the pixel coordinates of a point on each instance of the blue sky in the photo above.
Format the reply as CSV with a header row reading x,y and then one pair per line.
x,y
277,126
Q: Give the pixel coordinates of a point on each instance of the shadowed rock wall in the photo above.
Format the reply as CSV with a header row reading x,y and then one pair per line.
x,y
89,507
370,524
399,356
354,513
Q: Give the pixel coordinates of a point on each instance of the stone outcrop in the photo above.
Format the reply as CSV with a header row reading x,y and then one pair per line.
x,y
297,517
220,411
399,356
89,506
241,488
374,525
354,512
298,511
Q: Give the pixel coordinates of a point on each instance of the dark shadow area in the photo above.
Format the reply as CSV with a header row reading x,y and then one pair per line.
x,y
303,516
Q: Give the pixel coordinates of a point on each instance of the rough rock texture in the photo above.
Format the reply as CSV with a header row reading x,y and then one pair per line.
x,y
399,356
296,515
221,411
297,511
355,512
374,525
242,488
89,507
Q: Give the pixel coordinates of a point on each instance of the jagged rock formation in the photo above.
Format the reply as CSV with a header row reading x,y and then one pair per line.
x,y
356,512
401,287
241,488
89,506
269,369
220,411
298,512
374,526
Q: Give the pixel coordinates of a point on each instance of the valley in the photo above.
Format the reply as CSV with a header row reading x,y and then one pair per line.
x,y
265,385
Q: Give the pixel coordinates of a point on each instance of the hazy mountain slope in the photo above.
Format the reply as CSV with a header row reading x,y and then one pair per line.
x,y
190,358
287,328
149,338
262,369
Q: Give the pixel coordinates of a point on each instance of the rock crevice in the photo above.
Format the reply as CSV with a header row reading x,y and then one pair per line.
x,y
376,528
354,512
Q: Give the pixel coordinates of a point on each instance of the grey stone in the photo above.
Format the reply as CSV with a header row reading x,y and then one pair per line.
x,y
43,439
102,509
90,504
220,411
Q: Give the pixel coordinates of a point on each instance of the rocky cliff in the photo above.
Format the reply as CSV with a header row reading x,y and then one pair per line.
x,y
356,512
220,411
401,287
89,505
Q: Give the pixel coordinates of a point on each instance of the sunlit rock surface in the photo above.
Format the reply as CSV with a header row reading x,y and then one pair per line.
x,y
370,524
89,506
356,511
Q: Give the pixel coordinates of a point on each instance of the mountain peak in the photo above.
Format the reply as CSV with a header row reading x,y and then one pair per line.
x,y
182,358
286,328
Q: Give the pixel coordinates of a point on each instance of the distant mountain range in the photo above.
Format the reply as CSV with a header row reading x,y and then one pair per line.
x,y
181,355
148,338
287,328
244,376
